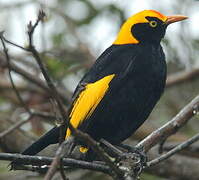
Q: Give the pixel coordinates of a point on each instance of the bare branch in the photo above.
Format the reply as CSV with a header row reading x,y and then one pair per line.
x,y
12,128
173,151
177,166
10,76
86,138
52,88
62,171
14,44
171,127
159,135
22,122
99,151
60,153
31,28
191,151
42,160
33,79
181,77
56,96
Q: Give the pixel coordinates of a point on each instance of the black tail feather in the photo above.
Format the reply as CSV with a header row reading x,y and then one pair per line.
x,y
51,137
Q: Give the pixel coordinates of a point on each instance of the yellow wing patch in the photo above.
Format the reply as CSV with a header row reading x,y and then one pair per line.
x,y
87,101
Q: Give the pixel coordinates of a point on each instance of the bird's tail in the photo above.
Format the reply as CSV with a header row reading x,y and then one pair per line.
x,y
51,137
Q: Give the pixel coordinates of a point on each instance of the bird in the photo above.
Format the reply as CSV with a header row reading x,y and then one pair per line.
x,y
119,91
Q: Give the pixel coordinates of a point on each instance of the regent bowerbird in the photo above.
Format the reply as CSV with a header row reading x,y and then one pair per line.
x,y
117,94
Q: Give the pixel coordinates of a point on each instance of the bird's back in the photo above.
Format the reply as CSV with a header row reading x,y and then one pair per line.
x,y
140,73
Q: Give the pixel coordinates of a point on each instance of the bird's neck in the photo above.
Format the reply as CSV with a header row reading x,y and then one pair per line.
x,y
155,43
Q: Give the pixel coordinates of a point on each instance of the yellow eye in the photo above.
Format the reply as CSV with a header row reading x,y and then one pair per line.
x,y
153,23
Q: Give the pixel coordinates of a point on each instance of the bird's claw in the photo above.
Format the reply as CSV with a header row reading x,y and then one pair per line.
x,y
130,162
137,151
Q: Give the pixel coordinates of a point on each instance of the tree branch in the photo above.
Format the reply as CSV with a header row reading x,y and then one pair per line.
x,y
33,79
82,136
191,151
180,77
173,151
177,166
42,160
171,127
159,135
10,76
12,128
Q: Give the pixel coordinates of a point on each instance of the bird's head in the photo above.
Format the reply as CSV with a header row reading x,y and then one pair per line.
x,y
145,26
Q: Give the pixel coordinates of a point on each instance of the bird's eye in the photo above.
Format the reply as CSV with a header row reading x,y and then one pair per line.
x,y
153,23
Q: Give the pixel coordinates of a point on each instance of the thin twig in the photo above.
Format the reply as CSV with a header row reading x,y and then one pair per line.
x,y
99,151
50,117
15,126
64,95
10,76
116,171
52,88
178,166
62,171
42,160
171,127
66,123
173,151
60,153
180,77
14,44
191,151
31,28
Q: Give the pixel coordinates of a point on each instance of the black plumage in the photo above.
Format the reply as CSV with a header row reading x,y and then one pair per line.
x,y
137,61
132,94
138,84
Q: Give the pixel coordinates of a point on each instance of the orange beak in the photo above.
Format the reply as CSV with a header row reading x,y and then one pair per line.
x,y
175,18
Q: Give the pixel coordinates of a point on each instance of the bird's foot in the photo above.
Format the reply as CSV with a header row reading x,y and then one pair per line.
x,y
137,151
128,158
131,163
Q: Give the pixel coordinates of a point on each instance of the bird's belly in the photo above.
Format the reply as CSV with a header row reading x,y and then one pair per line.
x,y
121,112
